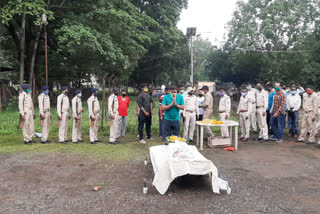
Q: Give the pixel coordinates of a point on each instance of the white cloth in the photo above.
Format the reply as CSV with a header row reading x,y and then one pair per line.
x,y
187,160
200,102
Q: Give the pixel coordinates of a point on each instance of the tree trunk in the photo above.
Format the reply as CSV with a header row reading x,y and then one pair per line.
x,y
103,101
22,46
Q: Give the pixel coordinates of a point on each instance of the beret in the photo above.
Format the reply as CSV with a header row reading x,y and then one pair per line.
x,y
25,86
45,87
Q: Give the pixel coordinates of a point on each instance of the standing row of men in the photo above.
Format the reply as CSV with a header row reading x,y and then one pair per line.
x,y
27,115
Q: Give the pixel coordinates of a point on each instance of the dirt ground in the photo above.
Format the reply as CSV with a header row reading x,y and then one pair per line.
x,y
265,178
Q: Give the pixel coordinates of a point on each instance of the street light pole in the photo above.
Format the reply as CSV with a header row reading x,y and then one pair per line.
x,y
44,22
191,32
191,66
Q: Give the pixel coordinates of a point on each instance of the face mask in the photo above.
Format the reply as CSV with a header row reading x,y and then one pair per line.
x,y
46,92
95,94
248,88
145,90
293,92
79,95
65,92
287,91
190,93
123,95
221,94
244,94
200,95
259,88
28,90
181,91
277,88
116,93
309,92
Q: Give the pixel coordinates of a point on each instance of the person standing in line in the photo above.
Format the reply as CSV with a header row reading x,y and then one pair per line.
x,y
27,116
224,110
94,115
261,109
146,106
172,104
244,108
45,116
191,113
293,105
77,117
251,93
310,108
200,100
63,109
208,109
278,113
271,93
124,103
161,113
113,106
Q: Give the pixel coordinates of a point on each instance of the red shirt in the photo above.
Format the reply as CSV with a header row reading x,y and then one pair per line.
x,y
124,103
160,102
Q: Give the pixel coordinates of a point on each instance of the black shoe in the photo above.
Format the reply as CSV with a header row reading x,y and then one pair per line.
x,y
98,141
114,142
48,141
300,141
63,142
93,142
80,141
27,143
67,141
260,139
75,142
43,142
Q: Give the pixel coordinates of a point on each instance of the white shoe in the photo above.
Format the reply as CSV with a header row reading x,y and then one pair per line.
x,y
138,135
143,141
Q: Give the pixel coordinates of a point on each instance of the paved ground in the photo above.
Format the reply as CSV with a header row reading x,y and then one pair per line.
x,y
265,178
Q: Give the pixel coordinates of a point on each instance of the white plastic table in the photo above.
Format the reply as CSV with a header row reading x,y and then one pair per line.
x,y
229,123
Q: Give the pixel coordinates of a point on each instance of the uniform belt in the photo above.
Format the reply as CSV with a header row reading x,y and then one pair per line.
x,y
243,110
308,111
222,112
259,107
189,111
46,111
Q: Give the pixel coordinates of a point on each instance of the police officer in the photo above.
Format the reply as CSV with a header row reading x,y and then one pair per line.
x,y
244,108
77,117
63,109
207,106
113,106
224,110
94,114
45,115
310,108
190,113
261,111
251,93
27,116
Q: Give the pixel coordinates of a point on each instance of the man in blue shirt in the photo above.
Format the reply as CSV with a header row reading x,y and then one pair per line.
x,y
269,89
171,105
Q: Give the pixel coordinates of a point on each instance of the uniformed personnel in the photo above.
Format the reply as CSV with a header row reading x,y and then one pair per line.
x,y
207,107
94,114
261,111
190,113
77,117
251,93
113,106
45,115
63,109
224,110
310,108
244,108
27,116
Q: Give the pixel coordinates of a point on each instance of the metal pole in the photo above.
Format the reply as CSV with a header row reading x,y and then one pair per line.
x,y
46,52
191,77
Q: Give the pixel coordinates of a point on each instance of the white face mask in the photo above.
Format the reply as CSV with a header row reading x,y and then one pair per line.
x,y
79,95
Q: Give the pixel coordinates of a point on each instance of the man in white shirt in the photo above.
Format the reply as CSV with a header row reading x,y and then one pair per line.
x,y
190,112
45,116
94,115
200,100
244,108
77,117
251,93
293,106
113,105
224,110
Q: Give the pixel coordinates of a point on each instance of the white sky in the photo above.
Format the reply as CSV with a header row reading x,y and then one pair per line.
x,y
208,16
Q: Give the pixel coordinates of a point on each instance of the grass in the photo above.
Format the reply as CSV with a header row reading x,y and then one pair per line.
x,y
11,139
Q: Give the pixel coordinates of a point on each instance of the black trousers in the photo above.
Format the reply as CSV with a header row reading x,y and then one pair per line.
x,y
269,124
144,120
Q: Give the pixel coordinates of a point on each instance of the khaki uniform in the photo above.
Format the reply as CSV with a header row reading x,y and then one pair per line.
x,y
63,109
94,112
44,109
77,124
245,106
191,109
261,108
224,110
252,114
208,111
26,109
113,105
310,108
318,118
